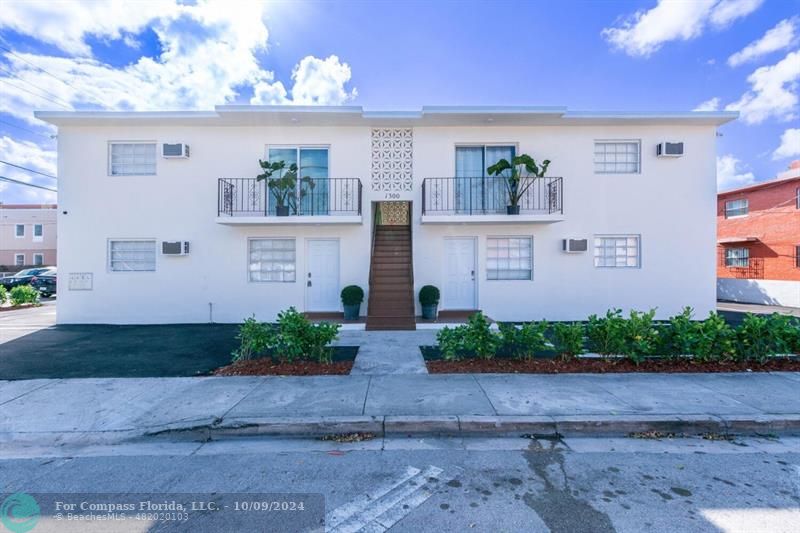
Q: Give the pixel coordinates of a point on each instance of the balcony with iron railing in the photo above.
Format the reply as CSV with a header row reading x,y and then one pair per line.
x,y
487,200
242,201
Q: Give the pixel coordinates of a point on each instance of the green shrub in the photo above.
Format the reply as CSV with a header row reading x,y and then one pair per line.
x,y
641,335
680,337
479,338
352,295
24,294
451,342
3,294
297,338
293,338
429,295
762,336
254,339
475,338
714,339
525,341
607,334
568,339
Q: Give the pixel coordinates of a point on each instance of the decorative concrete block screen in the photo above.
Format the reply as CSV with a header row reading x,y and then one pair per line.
x,y
391,159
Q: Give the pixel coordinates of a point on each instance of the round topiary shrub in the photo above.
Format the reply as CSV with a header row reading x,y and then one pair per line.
x,y
429,295
352,295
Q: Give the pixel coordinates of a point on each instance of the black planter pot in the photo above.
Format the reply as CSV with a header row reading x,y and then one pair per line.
x,y
512,210
282,210
352,312
429,312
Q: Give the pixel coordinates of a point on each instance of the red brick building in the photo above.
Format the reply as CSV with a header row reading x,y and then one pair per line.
x,y
758,241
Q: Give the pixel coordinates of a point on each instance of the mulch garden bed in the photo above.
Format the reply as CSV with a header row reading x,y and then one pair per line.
x,y
602,366
342,361
268,367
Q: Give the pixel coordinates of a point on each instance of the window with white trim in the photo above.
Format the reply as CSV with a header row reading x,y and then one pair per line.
x,y
617,251
19,260
38,259
132,255
617,157
509,258
737,257
19,230
737,208
132,159
272,260
38,230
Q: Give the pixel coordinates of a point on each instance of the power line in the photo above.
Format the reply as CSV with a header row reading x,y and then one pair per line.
x,y
34,94
18,182
35,66
29,170
33,85
25,129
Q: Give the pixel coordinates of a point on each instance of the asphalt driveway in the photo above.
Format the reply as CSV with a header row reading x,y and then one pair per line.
x,y
32,347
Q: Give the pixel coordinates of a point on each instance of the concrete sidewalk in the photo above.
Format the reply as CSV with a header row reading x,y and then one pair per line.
x,y
81,412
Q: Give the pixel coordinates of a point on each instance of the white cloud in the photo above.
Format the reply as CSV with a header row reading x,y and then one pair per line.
x,y
646,31
67,24
31,155
782,36
790,144
730,175
773,92
712,104
728,11
209,53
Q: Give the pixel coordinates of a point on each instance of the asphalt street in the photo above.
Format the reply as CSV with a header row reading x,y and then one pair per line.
x,y
442,485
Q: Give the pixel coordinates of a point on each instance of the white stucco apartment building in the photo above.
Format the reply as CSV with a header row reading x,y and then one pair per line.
x,y
648,220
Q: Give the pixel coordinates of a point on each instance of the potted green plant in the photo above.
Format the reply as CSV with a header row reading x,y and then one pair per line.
x,y
352,296
281,182
524,172
429,300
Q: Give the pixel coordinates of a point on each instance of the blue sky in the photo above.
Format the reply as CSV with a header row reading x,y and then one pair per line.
x,y
588,55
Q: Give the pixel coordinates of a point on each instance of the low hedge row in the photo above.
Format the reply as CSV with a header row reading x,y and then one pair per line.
x,y
292,338
19,295
638,336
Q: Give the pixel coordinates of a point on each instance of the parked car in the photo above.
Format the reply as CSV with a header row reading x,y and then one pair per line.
x,y
23,277
45,282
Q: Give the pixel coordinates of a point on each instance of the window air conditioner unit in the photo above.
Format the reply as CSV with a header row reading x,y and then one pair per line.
x,y
669,149
175,248
573,246
175,151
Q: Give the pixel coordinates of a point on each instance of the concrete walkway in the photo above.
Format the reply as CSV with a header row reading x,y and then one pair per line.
x,y
82,412
388,352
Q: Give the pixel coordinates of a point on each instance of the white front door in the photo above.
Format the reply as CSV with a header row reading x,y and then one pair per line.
x,y
322,278
459,274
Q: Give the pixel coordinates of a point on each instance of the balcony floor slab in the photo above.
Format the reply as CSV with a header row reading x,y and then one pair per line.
x,y
313,220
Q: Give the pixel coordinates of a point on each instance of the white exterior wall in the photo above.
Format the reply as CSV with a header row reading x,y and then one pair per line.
x,y
671,204
759,291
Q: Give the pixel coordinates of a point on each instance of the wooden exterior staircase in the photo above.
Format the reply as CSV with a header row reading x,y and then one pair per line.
x,y
391,282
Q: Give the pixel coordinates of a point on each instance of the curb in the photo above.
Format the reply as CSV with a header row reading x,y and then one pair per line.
x,y
490,426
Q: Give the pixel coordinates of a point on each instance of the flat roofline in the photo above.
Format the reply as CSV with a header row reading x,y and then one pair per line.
x,y
424,114
28,206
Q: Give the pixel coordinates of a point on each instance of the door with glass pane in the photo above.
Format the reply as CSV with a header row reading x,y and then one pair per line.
x,y
476,191
311,193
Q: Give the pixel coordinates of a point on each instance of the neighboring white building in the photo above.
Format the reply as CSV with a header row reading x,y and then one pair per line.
x,y
648,220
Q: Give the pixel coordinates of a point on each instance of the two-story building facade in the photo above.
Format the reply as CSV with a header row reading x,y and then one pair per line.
x,y
27,236
758,238
389,201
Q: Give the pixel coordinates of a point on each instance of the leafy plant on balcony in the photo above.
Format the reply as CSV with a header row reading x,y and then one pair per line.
x,y
524,171
281,181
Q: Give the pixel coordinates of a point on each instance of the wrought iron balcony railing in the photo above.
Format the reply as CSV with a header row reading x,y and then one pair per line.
x,y
490,196
250,197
